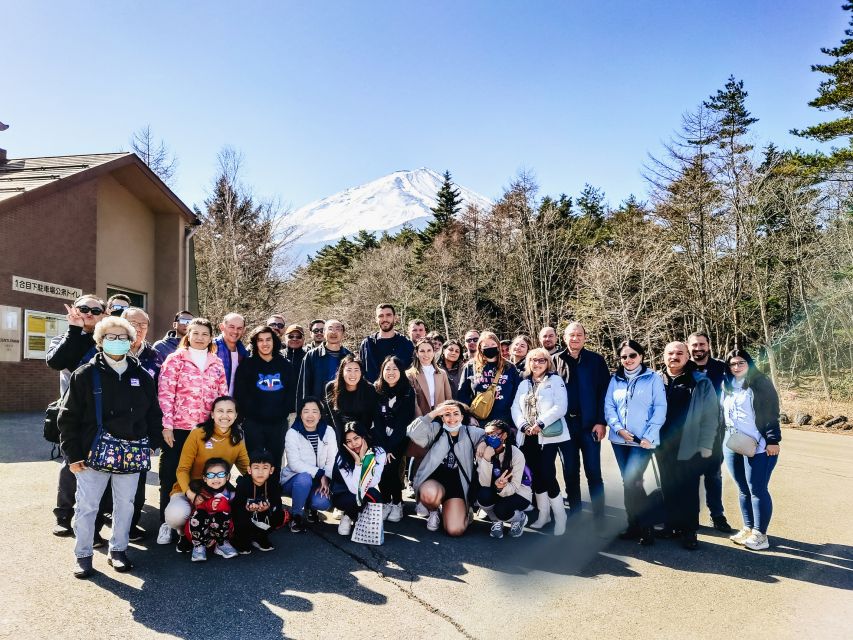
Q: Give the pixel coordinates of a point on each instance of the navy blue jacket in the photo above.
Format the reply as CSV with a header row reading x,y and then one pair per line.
x,y
593,376
374,350
314,373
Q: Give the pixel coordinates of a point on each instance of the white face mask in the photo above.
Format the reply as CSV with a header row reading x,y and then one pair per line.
x,y
450,428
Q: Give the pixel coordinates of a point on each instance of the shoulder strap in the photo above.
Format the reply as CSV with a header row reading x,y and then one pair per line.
x,y
99,408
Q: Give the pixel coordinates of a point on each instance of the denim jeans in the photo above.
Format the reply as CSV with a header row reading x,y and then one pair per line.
x,y
303,489
713,479
90,487
752,476
583,444
632,463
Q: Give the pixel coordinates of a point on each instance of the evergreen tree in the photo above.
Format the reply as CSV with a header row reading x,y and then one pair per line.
x,y
733,118
443,214
835,93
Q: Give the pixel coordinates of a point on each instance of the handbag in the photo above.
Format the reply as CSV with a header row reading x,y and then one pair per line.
x,y
481,405
742,443
553,430
51,426
110,453
369,528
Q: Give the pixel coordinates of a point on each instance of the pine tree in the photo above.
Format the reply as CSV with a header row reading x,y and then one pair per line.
x,y
834,93
443,213
733,118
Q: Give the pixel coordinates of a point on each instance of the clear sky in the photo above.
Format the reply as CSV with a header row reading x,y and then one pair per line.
x,y
321,96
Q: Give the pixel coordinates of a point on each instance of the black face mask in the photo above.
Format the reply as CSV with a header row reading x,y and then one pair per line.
x,y
491,352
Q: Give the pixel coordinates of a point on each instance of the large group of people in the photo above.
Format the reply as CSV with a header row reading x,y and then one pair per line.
x,y
465,427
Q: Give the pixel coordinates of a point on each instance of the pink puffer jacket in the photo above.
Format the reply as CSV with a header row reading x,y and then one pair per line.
x,y
186,394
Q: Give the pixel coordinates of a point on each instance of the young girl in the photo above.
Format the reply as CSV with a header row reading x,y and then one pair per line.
x,y
358,469
210,523
431,384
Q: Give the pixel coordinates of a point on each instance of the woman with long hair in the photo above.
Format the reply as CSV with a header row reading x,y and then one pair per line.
x,y
518,349
431,384
450,361
395,410
191,378
488,370
635,410
751,413
350,397
358,469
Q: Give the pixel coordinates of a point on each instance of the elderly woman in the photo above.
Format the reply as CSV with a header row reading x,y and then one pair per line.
x,y
107,424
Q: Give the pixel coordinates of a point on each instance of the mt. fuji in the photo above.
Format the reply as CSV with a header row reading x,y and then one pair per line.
x,y
385,204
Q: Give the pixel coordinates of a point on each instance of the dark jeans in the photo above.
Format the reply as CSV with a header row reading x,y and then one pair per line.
x,y
712,469
542,461
583,444
752,476
680,484
245,531
505,508
347,503
266,435
391,483
632,463
169,458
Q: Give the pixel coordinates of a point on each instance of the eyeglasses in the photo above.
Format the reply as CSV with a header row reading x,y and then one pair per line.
x,y
139,325
276,325
210,475
539,360
112,337
472,339
317,330
95,311
737,363
184,320
629,356
294,336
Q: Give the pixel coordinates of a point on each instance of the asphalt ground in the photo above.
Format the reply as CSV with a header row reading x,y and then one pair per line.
x,y
421,584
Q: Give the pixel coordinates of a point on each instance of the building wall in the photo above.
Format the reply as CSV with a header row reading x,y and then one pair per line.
x,y
169,270
52,239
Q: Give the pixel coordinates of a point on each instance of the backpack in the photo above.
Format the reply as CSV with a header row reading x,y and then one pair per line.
x,y
483,402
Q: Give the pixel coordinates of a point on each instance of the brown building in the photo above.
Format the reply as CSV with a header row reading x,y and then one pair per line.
x,y
69,225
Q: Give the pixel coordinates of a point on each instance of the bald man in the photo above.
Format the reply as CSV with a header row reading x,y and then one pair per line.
x,y
229,345
686,440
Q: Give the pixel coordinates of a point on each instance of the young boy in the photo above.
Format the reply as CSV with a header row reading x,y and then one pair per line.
x,y
209,525
257,508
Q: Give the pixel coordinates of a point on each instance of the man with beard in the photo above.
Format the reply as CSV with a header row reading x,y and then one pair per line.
x,y
385,342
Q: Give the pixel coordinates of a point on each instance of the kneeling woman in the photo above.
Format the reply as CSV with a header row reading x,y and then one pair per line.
x,y
310,448
447,469
358,469
504,491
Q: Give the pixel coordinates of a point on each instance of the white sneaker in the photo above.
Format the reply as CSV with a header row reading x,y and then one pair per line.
x,y
396,512
386,510
345,527
433,521
164,536
757,541
741,536
225,550
518,523
421,510
199,553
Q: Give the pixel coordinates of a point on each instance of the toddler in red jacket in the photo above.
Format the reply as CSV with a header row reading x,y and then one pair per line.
x,y
209,525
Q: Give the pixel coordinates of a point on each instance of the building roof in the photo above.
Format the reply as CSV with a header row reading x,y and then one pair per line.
x,y
20,177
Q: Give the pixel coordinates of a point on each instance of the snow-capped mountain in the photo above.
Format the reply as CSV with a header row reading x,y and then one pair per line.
x,y
386,204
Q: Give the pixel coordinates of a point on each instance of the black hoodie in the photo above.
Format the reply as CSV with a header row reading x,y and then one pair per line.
x,y
264,391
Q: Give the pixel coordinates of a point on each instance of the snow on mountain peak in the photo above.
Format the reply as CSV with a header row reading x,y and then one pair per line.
x,y
385,204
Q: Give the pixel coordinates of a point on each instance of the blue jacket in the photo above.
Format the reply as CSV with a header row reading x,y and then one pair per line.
x,y
638,406
472,383
167,345
374,350
314,373
225,354
593,376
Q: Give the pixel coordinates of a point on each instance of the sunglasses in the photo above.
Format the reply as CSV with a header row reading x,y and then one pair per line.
x,y
184,320
95,311
316,330
210,475
294,336
118,307
629,356
472,339
276,325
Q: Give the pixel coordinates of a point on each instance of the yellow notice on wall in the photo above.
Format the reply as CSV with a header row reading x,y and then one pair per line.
x,y
40,328
36,324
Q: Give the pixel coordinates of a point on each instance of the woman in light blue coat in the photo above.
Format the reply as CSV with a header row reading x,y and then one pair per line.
x,y
635,410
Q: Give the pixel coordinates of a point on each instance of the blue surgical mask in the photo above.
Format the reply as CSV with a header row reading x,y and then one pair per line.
x,y
493,441
116,347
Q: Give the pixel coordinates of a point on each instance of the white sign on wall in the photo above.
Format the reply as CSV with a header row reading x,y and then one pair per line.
x,y
39,329
10,334
27,285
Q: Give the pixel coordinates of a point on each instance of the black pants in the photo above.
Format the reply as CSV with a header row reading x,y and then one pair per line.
x,y
169,459
391,483
266,435
680,483
583,444
505,508
542,461
245,530
209,528
346,502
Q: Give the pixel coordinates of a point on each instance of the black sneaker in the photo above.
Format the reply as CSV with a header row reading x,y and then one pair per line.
x,y
62,528
647,536
184,545
83,569
311,516
137,534
243,551
296,524
119,561
631,533
689,541
98,541
721,524
262,544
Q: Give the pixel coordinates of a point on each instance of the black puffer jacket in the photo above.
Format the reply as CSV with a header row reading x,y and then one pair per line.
x,y
130,408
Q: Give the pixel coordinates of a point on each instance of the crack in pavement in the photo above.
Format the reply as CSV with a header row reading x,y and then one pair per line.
x,y
409,593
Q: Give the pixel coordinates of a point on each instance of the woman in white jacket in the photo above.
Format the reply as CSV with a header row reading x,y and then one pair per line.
x,y
310,449
358,470
538,411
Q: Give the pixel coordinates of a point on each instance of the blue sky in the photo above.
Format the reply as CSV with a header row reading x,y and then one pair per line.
x,y
321,96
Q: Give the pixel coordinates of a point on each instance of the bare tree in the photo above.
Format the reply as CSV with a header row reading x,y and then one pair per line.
x,y
155,154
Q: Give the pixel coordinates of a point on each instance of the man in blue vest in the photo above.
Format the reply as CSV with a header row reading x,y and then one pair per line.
x,y
229,347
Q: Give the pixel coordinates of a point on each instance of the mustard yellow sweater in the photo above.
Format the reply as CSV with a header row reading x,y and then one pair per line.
x,y
197,451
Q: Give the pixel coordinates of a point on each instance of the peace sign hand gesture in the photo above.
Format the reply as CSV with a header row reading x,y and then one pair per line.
x,y
75,318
